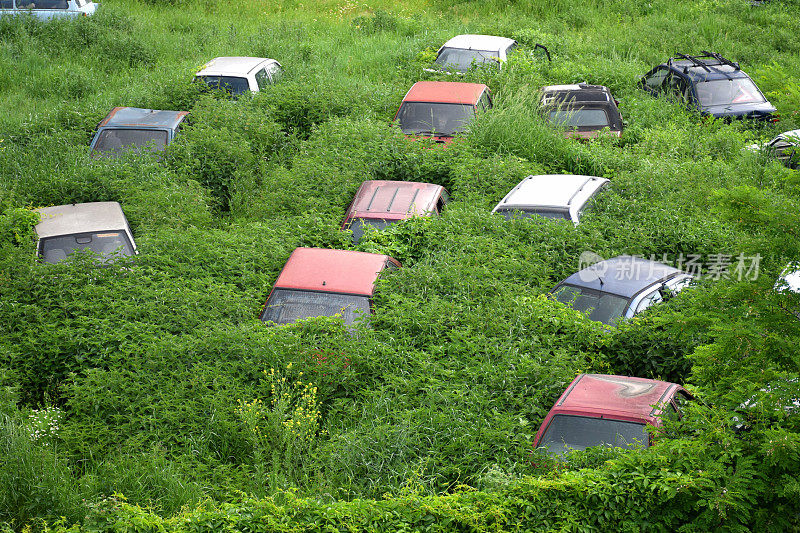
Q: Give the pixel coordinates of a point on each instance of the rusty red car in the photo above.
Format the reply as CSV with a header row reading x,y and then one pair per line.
x,y
381,203
441,109
606,410
322,282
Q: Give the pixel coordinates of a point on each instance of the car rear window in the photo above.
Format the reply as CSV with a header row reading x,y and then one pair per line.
x,y
286,306
580,118
725,92
461,59
357,226
231,84
602,306
569,432
527,213
109,244
116,140
428,118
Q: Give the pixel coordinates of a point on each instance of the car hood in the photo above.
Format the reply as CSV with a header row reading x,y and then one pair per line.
x,y
761,110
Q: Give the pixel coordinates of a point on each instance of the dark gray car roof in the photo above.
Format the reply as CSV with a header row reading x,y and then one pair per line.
x,y
624,275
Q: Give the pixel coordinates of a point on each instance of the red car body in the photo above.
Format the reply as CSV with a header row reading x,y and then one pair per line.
x,y
440,109
621,400
322,282
380,203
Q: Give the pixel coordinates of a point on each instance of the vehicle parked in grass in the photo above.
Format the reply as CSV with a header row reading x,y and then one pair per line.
x,y
785,148
710,84
583,110
606,410
133,128
442,109
464,52
322,282
47,9
789,279
557,196
381,203
620,287
239,75
99,227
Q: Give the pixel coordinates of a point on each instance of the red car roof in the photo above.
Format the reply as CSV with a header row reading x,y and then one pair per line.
x,y
451,92
341,271
599,394
393,200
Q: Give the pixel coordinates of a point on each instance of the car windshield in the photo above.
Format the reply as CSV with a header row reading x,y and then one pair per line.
x,y
357,226
436,119
110,245
510,213
569,432
231,84
727,92
286,306
462,59
580,118
602,306
111,141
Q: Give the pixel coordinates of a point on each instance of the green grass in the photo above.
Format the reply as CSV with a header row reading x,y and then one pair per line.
x,y
466,354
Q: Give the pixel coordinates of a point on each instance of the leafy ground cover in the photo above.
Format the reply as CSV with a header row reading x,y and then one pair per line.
x,y
153,397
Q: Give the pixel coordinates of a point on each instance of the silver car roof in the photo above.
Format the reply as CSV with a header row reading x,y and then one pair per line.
x,y
80,218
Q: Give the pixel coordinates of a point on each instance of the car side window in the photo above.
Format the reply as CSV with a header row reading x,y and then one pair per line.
x,y
262,79
656,79
27,4
6,4
648,300
680,400
275,72
679,88
486,101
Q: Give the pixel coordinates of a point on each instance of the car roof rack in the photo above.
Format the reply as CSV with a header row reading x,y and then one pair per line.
x,y
703,62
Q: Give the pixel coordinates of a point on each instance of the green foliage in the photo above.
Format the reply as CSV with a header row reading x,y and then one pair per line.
x,y
444,389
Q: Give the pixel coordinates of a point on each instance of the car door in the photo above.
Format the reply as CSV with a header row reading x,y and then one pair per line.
x,y
653,81
678,88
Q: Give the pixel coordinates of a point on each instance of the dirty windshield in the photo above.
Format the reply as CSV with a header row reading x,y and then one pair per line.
x,y
567,432
286,306
461,59
602,306
109,244
434,118
725,92
116,140
580,118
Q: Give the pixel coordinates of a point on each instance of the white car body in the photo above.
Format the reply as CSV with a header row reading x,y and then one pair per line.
x,y
564,194
98,226
785,148
494,47
257,71
47,9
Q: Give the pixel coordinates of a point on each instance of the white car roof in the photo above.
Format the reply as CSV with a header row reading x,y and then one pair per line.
x,y
791,133
233,66
564,191
80,218
479,42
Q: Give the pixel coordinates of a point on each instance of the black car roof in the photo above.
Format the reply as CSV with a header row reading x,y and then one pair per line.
x,y
706,67
624,275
